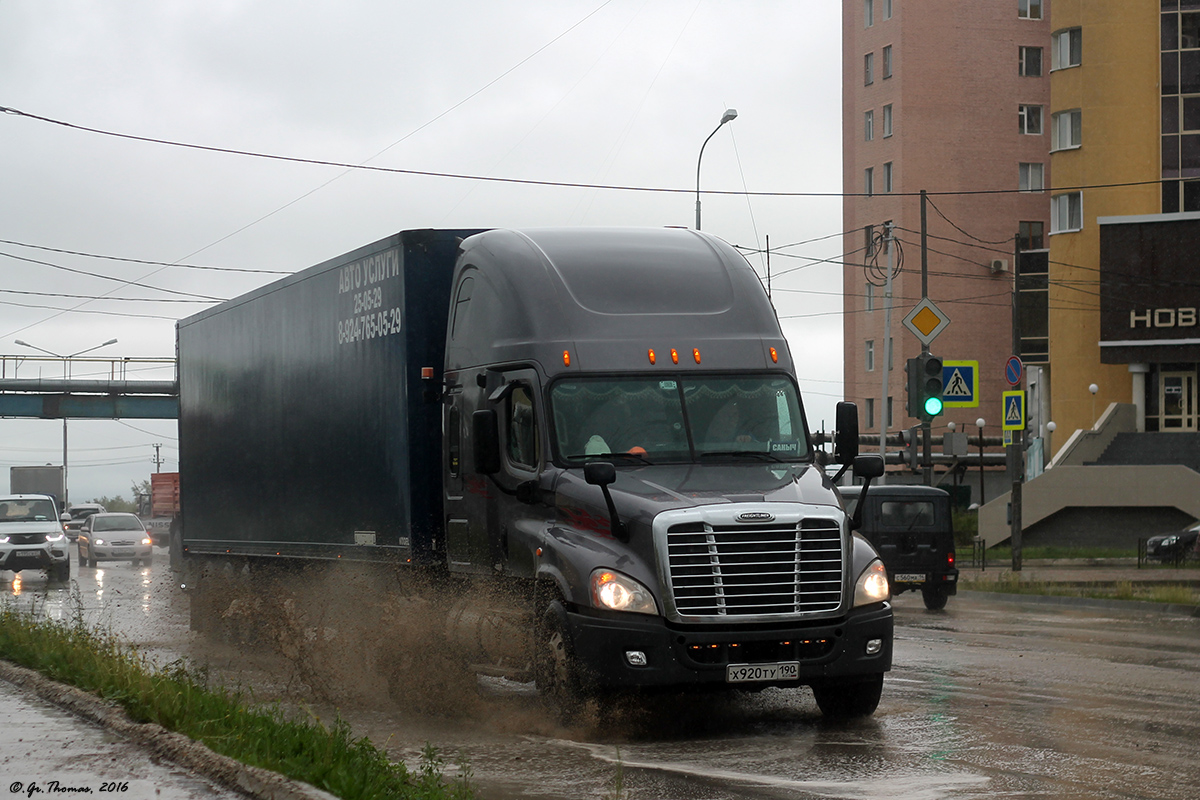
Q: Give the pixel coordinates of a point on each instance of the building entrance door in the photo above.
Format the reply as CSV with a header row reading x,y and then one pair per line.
x,y
1177,399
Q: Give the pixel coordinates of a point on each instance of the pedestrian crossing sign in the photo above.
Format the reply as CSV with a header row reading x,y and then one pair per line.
x,y
1014,410
960,384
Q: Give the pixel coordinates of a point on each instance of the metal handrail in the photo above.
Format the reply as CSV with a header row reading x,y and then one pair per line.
x,y
85,366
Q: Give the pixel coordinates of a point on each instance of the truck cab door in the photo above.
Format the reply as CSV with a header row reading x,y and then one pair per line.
x,y
487,509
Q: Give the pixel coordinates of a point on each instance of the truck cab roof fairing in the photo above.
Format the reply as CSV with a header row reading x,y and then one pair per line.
x,y
607,296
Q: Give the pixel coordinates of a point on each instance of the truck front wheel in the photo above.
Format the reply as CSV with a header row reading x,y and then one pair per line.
x,y
556,670
849,699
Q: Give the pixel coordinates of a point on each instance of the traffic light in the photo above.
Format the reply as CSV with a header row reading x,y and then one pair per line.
x,y
929,372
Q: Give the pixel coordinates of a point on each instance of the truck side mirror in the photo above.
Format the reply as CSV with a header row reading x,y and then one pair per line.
x,y
845,438
865,467
599,473
603,474
485,441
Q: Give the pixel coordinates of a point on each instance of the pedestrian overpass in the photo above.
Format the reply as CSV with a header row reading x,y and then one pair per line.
x,y
89,388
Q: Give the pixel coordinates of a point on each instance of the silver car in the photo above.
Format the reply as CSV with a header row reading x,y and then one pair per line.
x,y
31,536
112,536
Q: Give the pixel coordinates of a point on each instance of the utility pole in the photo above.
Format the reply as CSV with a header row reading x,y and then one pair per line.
x,y
926,425
885,352
157,458
1016,454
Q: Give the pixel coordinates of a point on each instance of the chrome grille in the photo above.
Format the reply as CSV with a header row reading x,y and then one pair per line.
x,y
754,570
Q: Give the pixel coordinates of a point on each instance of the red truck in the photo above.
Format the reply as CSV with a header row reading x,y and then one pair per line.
x,y
161,507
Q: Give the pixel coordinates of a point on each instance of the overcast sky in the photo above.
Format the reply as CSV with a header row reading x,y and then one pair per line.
x,y
619,93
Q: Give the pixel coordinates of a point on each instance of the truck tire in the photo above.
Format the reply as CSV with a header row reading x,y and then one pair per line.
x,y
851,698
556,671
935,599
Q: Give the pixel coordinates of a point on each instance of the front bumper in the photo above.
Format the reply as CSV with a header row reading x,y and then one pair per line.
x,y
698,655
120,552
44,557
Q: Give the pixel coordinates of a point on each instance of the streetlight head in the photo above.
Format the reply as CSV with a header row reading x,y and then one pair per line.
x,y
979,422
950,426
1051,426
110,341
729,116
1093,388
23,344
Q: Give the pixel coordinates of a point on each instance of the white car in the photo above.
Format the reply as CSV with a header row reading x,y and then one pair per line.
x,y
114,536
31,536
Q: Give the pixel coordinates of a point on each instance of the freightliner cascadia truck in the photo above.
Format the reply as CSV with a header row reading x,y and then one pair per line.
x,y
605,422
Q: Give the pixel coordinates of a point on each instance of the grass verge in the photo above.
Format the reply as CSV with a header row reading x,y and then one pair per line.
x,y
1011,583
179,699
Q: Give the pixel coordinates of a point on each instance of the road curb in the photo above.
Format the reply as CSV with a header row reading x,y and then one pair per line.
x,y
1176,609
256,782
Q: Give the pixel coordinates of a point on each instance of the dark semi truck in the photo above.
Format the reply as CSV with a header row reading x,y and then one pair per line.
x,y
604,422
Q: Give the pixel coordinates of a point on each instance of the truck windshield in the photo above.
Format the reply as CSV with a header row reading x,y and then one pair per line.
x,y
26,510
679,419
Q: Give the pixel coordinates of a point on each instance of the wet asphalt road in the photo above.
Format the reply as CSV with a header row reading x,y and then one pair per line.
x,y
988,698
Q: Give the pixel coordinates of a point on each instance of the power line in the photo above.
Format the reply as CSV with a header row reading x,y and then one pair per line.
x,y
523,181
107,277
142,261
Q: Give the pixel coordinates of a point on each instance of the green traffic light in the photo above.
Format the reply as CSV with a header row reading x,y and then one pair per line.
x,y
933,406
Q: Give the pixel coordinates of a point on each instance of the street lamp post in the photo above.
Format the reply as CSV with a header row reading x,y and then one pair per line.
x,y
729,115
65,376
980,422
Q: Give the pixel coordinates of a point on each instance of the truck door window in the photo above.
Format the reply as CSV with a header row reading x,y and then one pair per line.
x,y
461,301
522,438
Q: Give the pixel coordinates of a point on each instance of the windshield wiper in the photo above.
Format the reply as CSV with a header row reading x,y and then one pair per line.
x,y
755,455
635,456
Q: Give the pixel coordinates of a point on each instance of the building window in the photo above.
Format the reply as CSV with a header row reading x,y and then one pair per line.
x,y
1029,62
1066,129
869,125
868,69
887,120
1029,9
887,61
1066,212
887,177
1031,178
1189,30
887,9
1067,48
868,241
1031,235
869,413
869,181
889,413
869,358
868,13
1030,119
889,353
869,301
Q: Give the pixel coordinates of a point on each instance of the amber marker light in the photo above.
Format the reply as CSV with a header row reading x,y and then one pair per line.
x,y
774,356
653,358
674,356
566,358
696,354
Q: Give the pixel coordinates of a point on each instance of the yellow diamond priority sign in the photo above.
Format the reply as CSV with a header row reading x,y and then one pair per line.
x,y
926,321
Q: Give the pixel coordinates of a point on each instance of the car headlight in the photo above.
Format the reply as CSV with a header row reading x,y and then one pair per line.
x,y
56,537
872,585
618,592
146,540
98,541
3,540
1170,540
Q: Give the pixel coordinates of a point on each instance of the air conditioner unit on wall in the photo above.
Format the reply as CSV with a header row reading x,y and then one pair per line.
x,y
999,265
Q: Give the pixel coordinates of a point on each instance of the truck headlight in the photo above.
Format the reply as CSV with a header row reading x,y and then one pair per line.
x,y
618,592
872,585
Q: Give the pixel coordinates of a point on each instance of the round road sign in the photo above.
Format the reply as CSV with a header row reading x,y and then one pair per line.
x,y
1012,370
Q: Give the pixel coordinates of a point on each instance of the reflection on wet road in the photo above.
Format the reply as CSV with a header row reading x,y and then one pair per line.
x,y
987,698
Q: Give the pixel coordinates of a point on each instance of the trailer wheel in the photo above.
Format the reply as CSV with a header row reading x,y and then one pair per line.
x,y
935,599
556,671
849,699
